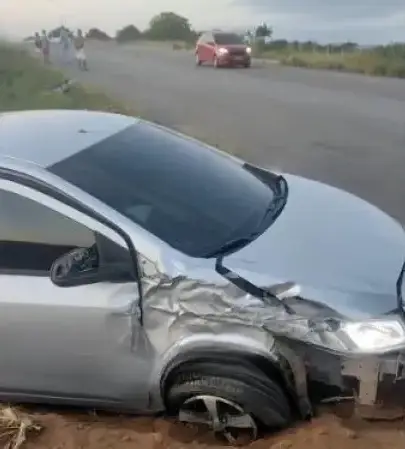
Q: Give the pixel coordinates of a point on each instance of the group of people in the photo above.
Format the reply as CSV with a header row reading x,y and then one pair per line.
x,y
66,41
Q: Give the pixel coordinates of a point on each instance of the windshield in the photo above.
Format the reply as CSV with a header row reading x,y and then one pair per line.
x,y
228,39
187,195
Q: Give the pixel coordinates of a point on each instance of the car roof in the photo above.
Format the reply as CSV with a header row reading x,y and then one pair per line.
x,y
217,31
48,136
223,32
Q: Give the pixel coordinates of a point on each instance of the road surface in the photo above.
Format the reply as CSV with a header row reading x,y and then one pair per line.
x,y
347,130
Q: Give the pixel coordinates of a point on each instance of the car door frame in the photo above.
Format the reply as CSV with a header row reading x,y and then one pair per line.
x,y
203,49
64,198
209,47
198,46
73,198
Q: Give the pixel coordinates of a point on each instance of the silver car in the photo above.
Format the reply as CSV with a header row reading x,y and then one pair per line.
x,y
144,271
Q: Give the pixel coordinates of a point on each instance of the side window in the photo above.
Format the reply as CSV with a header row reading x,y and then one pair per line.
x,y
32,235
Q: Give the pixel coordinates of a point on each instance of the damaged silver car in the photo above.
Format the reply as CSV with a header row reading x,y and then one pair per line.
x,y
144,271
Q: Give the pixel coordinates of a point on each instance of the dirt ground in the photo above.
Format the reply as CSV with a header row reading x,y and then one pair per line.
x,y
91,431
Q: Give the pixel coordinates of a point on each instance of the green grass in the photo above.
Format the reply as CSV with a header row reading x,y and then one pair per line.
x,y
183,46
373,63
26,83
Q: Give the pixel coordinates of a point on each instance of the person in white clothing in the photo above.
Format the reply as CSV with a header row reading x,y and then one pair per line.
x,y
65,45
45,47
80,54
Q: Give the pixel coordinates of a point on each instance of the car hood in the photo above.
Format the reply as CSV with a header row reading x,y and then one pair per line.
x,y
234,46
344,254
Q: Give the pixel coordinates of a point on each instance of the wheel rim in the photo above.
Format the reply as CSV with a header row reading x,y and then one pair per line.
x,y
224,417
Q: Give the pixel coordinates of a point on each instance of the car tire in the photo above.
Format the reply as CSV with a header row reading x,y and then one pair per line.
x,y
247,65
198,61
258,396
216,63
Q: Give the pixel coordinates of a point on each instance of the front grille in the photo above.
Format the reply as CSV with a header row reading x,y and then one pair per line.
x,y
237,52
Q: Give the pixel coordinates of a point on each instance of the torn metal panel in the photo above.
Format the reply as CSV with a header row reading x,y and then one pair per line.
x,y
182,314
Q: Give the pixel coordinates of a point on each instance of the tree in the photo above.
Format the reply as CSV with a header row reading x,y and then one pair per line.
x,y
170,26
263,31
128,34
55,33
95,33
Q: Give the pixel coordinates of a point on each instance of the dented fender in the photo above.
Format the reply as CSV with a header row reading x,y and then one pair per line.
x,y
275,362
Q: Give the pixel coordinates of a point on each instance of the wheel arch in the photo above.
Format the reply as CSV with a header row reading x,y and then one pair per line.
x,y
274,366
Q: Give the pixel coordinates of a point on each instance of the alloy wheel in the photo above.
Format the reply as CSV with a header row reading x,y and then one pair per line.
x,y
224,417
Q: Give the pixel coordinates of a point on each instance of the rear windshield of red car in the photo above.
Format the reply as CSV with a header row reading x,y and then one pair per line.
x,y
189,196
228,39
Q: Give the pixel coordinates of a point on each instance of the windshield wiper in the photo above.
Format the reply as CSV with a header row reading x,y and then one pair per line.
x,y
274,208
232,245
276,204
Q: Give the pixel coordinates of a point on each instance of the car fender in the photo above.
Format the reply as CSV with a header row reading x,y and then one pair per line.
x,y
288,371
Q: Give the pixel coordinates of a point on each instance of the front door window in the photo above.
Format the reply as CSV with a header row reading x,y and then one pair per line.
x,y
32,235
63,342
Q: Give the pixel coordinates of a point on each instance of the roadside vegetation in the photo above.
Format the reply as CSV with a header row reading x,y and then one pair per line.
x,y
375,61
25,83
176,31
388,60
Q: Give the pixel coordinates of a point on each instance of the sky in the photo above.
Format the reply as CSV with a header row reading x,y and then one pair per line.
x,y
363,21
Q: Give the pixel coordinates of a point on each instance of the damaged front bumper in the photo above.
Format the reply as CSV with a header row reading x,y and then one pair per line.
x,y
375,384
378,384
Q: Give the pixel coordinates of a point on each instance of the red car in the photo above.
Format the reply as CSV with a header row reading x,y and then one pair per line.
x,y
222,49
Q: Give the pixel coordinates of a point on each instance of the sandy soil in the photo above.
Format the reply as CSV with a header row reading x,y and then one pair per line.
x,y
91,431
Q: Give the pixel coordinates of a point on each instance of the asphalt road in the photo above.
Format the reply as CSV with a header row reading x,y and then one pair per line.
x,y
347,130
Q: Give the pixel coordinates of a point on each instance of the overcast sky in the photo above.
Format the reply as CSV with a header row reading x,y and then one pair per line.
x,y
325,20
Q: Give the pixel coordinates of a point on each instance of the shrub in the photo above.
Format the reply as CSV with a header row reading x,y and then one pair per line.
x,y
129,33
371,62
96,34
25,83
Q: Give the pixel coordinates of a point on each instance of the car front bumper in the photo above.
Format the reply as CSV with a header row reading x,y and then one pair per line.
x,y
230,60
375,384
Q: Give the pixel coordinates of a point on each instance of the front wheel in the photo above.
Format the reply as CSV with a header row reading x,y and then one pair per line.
x,y
232,405
198,61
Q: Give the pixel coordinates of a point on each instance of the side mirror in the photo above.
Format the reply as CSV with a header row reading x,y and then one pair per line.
x,y
80,267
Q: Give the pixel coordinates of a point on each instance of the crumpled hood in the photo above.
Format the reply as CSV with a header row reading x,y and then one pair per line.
x,y
343,252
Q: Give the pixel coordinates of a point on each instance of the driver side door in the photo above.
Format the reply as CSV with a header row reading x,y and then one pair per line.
x,y
73,344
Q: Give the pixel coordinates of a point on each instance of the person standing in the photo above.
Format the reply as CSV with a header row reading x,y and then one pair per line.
x,y
65,44
45,47
37,42
80,54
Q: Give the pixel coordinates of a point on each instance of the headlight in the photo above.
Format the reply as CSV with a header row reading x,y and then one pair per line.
x,y
248,50
375,335
372,336
222,51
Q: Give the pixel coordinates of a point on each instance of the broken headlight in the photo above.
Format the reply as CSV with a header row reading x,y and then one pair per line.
x,y
371,336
